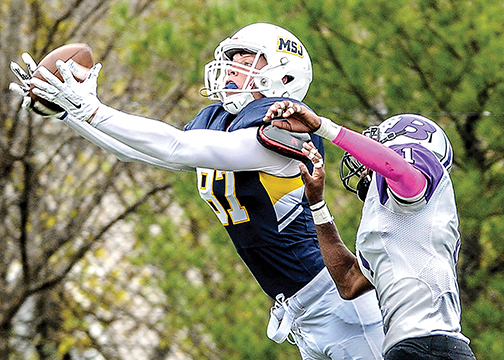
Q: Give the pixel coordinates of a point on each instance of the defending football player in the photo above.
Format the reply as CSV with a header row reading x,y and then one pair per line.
x,y
243,173
408,240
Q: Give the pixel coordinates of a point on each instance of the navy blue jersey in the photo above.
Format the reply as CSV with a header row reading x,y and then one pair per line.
x,y
267,217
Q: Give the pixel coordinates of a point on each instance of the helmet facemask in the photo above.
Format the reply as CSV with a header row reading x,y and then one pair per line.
x,y
356,177
219,88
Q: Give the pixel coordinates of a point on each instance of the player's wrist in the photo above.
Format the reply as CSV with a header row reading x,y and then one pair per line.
x,y
328,129
320,213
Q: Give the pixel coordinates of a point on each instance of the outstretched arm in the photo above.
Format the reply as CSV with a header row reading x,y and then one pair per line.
x,y
122,151
340,261
404,179
156,141
194,148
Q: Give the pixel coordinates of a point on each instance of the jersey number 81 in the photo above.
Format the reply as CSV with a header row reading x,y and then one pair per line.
x,y
236,212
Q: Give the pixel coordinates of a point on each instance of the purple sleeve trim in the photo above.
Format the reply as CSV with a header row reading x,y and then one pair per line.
x,y
422,159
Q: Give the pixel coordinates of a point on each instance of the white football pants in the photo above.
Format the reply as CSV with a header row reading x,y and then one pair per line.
x,y
326,327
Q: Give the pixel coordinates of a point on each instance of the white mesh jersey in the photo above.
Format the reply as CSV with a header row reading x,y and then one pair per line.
x,y
409,253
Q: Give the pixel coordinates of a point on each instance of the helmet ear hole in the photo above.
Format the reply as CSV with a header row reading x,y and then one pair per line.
x,y
287,79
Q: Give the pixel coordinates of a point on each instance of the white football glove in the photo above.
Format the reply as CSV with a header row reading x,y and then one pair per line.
x,y
25,79
78,99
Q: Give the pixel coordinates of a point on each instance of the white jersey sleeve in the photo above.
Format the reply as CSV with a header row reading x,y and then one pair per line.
x,y
135,138
108,143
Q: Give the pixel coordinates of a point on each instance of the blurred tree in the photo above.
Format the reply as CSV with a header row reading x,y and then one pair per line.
x,y
61,198
180,290
62,296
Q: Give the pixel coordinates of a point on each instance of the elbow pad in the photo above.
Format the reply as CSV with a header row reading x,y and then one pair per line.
x,y
282,141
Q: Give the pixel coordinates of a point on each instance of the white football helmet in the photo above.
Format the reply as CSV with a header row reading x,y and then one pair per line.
x,y
287,74
412,128
399,129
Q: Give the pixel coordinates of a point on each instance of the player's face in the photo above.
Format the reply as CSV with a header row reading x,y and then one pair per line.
x,y
365,172
239,78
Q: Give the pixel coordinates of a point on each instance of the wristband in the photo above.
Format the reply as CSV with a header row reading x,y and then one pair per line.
x,y
320,213
328,130
318,205
62,115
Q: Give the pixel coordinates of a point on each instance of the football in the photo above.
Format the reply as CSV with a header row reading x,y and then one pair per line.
x,y
78,56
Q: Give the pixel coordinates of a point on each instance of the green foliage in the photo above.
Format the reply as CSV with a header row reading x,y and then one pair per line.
x,y
443,59
483,322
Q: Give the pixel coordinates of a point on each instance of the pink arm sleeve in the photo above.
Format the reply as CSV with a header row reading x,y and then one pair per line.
x,y
402,178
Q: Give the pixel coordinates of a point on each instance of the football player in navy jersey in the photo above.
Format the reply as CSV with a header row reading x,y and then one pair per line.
x,y
408,239
249,176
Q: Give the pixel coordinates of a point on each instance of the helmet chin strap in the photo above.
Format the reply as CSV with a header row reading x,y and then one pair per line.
x,y
363,187
235,103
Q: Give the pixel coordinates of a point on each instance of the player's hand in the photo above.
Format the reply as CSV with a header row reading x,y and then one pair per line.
x,y
23,89
314,183
78,99
297,117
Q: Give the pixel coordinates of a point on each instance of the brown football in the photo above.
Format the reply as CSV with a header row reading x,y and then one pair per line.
x,y
80,58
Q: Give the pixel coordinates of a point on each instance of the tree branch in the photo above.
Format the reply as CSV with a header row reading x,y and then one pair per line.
x,y
84,248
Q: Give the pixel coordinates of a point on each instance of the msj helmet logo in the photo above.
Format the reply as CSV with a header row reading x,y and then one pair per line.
x,y
289,46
